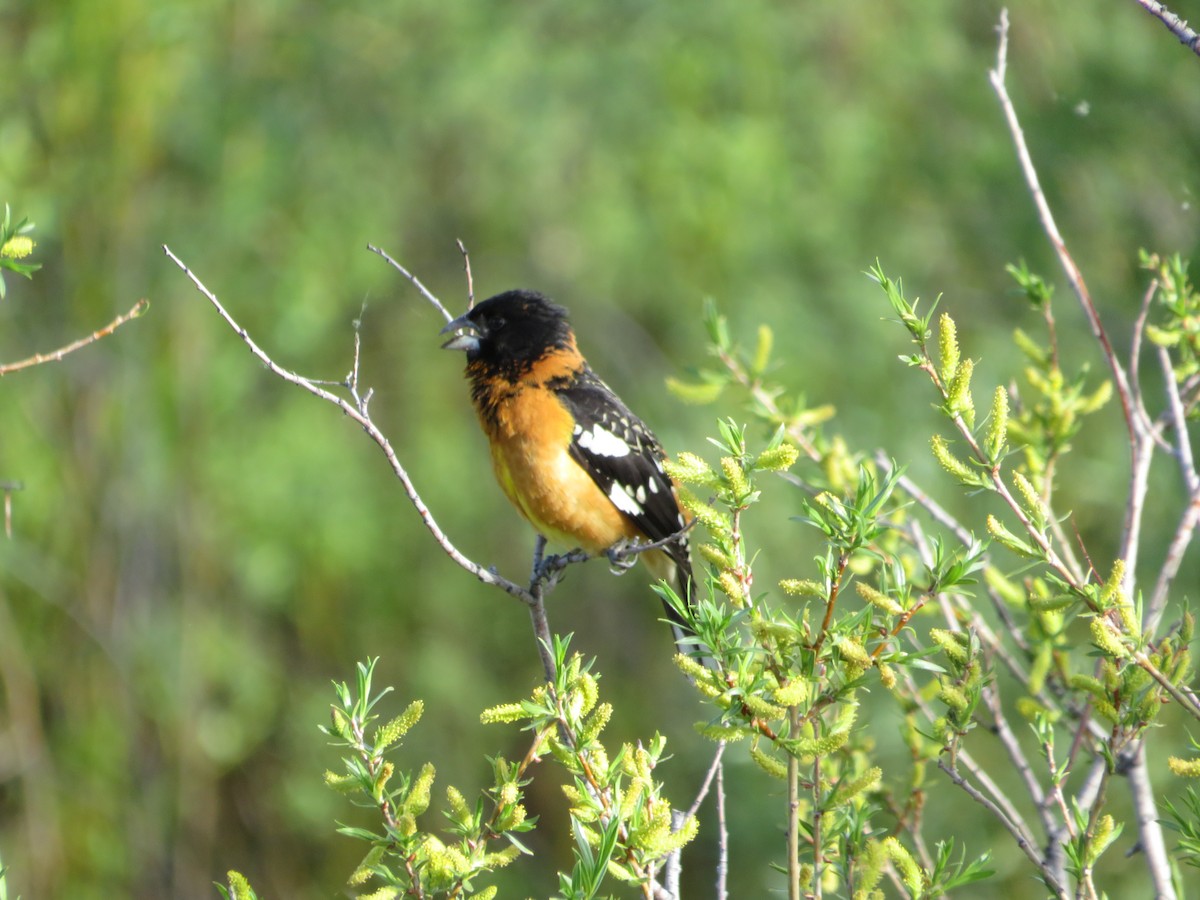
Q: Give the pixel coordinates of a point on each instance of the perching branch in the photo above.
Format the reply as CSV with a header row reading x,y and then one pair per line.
x,y
357,411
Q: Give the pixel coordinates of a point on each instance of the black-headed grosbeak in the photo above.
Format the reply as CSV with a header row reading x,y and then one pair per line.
x,y
575,462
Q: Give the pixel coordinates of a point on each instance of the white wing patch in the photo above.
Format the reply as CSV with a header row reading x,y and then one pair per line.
x,y
623,500
601,441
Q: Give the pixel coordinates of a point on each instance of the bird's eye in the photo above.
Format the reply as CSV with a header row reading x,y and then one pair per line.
x,y
497,323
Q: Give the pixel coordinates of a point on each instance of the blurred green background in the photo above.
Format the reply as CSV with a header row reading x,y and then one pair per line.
x,y
200,548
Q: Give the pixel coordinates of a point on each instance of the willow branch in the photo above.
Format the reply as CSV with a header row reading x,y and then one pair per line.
x,y
55,355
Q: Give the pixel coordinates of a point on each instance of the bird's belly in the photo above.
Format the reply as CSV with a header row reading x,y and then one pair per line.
x,y
548,487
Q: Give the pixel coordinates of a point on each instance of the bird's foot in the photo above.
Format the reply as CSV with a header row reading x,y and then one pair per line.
x,y
622,555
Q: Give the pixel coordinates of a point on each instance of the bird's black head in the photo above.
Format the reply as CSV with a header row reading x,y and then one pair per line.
x,y
509,332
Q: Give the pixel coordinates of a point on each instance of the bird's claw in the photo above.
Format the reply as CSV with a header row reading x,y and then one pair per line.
x,y
620,560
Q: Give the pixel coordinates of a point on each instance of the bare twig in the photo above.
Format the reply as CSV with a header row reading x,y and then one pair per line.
x,y
722,838
673,867
1175,25
55,355
425,292
9,487
1149,829
1002,730
714,769
1185,530
1023,839
1136,342
1074,275
793,820
462,248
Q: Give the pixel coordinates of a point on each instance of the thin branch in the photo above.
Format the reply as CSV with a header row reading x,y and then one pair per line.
x,y
1184,532
1140,437
714,769
1149,827
793,820
462,248
1171,563
425,292
1182,450
55,355
357,412
9,487
1024,842
1137,341
673,865
998,798
537,610
1074,275
1175,25
722,839
1002,730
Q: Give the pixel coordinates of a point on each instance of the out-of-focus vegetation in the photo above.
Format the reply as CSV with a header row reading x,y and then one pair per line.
x,y
198,549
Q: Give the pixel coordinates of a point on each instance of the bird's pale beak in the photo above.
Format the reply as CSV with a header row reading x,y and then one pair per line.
x,y
466,335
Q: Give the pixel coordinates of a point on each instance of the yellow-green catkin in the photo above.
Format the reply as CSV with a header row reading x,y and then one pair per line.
x,y
1186,768
997,431
18,247
779,459
803,587
1006,538
878,599
691,469
959,398
504,712
735,476
388,734
1104,637
910,872
768,764
1112,587
1034,505
948,348
762,349
950,462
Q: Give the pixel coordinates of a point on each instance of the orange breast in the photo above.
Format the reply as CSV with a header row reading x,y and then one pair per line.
x,y
532,433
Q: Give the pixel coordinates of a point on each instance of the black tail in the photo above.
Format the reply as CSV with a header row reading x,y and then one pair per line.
x,y
679,575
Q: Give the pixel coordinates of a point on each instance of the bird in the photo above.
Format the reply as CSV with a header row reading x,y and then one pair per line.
x,y
576,463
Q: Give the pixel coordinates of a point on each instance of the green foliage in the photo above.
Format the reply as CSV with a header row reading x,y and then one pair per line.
x,y
405,858
15,245
1185,821
621,823
789,678
791,673
1179,303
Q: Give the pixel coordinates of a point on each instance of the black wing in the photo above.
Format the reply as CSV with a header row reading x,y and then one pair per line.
x,y
625,460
